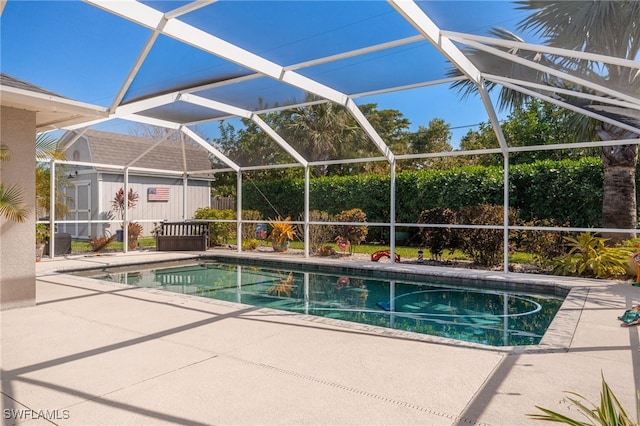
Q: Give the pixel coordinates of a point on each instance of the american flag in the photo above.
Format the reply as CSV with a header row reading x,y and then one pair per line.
x,y
157,194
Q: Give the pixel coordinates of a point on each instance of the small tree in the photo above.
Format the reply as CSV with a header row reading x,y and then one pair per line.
x,y
117,205
483,245
355,234
438,239
319,235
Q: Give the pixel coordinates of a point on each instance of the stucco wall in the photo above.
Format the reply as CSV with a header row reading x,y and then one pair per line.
x,y
17,240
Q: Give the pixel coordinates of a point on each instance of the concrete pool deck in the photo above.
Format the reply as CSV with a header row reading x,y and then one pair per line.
x,y
92,353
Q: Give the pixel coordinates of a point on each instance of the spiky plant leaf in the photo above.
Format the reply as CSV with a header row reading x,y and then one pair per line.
x,y
12,205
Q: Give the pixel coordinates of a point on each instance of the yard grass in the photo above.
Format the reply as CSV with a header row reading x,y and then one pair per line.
x,y
405,252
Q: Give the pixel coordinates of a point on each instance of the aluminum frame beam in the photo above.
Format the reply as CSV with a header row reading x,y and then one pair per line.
x,y
210,148
151,18
421,22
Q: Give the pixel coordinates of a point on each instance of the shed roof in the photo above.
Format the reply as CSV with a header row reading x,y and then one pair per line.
x,y
129,150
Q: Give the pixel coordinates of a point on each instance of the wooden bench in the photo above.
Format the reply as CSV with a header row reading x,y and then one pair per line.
x,y
183,236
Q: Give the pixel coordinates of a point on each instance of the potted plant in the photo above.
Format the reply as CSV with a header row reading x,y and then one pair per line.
x,y
42,238
281,233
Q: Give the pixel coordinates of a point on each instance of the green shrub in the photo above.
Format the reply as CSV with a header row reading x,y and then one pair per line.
x,y
543,245
220,232
250,244
564,191
590,256
483,245
438,239
319,235
249,229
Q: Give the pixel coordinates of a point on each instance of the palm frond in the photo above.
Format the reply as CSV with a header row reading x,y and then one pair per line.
x,y
12,205
47,148
4,152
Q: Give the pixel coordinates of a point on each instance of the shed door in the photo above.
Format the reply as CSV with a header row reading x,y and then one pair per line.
x,y
81,212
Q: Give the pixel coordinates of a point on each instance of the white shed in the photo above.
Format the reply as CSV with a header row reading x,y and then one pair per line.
x,y
92,189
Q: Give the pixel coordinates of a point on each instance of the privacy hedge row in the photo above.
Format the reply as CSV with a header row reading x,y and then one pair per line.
x,y
567,191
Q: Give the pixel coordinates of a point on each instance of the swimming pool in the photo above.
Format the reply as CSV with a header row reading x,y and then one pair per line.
x,y
485,315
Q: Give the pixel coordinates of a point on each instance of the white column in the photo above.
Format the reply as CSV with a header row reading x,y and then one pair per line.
x,y
185,196
506,214
392,210
125,230
52,209
239,211
306,210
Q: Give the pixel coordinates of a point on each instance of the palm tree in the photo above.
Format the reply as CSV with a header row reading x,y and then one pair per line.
x,y
609,28
322,132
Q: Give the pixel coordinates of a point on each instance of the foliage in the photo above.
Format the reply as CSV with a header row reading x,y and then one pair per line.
x,y
543,245
134,229
12,205
534,123
563,191
249,229
609,413
319,235
282,230
101,242
43,191
434,138
355,234
608,23
318,131
326,250
219,232
283,288
483,245
47,148
590,256
42,233
118,202
437,239
250,244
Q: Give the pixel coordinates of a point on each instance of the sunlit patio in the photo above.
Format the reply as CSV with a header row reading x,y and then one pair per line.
x,y
92,352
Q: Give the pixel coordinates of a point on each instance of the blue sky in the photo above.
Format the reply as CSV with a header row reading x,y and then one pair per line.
x,y
84,53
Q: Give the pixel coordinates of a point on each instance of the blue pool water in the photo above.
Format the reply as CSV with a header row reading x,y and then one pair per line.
x,y
462,312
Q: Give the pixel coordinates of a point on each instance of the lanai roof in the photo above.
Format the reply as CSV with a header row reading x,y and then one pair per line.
x,y
178,64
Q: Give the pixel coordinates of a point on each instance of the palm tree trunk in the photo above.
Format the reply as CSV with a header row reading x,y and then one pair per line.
x,y
619,208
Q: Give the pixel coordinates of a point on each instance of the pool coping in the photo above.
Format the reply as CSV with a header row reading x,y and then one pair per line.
x,y
557,338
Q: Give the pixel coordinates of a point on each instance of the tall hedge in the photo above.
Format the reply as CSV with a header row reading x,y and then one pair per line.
x,y
567,191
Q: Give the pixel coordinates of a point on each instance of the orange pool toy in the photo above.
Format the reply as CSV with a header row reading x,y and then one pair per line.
x,y
383,253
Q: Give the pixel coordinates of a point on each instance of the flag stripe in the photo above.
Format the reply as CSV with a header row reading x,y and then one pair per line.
x,y
158,194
